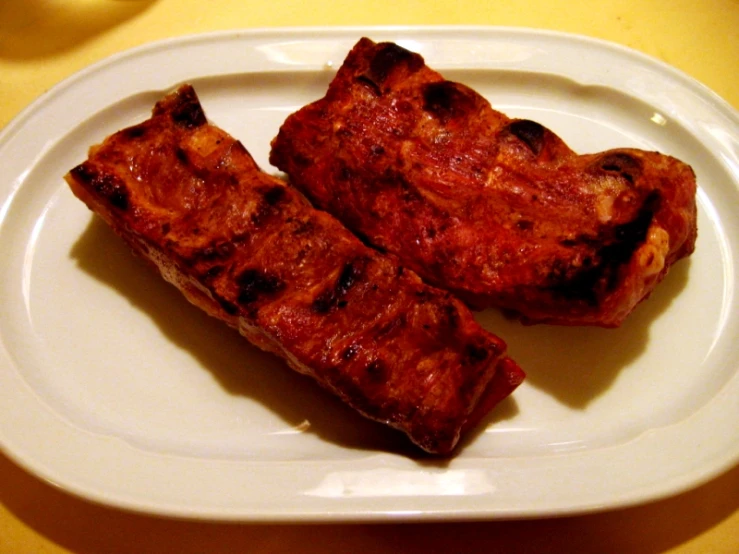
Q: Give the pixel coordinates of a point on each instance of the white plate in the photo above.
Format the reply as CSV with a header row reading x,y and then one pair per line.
x,y
114,388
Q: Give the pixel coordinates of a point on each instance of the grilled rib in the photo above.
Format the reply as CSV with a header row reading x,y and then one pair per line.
x,y
499,211
252,252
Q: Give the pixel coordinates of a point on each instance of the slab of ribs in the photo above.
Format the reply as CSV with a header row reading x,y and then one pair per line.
x,y
252,252
499,211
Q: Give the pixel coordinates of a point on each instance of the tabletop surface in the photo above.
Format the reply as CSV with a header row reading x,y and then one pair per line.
x,y
44,41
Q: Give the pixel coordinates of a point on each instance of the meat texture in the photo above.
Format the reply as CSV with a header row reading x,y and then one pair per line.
x,y
499,211
252,252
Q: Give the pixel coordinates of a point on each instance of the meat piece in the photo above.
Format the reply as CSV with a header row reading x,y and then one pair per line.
x,y
497,210
252,252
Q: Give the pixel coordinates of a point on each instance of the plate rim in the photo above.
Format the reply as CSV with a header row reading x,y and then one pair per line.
x,y
302,31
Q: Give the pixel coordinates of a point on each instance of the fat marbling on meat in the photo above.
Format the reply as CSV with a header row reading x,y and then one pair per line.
x,y
499,211
253,253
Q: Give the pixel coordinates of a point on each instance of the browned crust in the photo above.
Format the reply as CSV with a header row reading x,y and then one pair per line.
x,y
497,210
252,252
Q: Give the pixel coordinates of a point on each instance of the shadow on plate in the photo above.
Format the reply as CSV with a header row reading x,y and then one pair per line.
x,y
574,365
577,364
36,28
239,368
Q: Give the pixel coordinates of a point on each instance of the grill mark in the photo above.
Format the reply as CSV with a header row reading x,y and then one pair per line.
x,y
446,100
134,132
601,274
108,186
334,296
186,111
274,194
255,284
388,57
621,163
474,354
268,205
370,84
350,352
530,133
377,371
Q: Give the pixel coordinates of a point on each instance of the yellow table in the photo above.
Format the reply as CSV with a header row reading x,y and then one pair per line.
x,y
44,41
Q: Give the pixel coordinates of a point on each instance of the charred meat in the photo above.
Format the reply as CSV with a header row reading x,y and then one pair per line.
x,y
499,211
252,252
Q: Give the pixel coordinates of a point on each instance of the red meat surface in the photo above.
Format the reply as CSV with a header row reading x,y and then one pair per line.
x,y
499,211
253,253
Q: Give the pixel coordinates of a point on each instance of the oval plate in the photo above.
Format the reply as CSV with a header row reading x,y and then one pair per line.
x,y
114,388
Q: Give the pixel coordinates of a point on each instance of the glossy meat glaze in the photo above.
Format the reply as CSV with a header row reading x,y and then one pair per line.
x,y
499,211
252,252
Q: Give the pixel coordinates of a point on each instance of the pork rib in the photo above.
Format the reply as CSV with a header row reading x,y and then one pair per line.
x,y
252,252
499,211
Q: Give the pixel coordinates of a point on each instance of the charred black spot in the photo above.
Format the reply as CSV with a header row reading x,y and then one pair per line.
x,y
630,235
446,100
137,131
228,307
108,186
624,164
215,251
213,272
452,316
83,173
389,56
524,224
322,303
188,112
334,295
119,198
348,277
530,133
377,371
166,227
255,283
600,274
581,287
370,84
265,209
273,195
181,156
474,353
377,150
345,172
349,352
